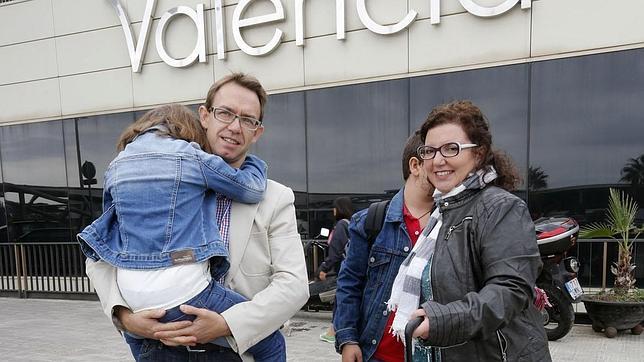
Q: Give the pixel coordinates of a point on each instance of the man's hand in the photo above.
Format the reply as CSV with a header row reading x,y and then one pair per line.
x,y
423,329
206,327
142,323
322,275
351,353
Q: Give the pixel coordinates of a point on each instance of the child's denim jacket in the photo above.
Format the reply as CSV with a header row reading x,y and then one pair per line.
x,y
159,205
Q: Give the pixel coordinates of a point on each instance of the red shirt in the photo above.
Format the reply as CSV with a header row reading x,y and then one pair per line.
x,y
390,349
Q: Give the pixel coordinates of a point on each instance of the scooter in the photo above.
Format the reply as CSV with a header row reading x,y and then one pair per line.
x,y
558,278
321,290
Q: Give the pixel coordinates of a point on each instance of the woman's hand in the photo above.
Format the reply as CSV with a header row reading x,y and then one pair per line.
x,y
423,329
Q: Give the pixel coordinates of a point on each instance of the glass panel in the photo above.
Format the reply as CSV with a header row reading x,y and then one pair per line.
x,y
35,182
283,144
355,137
586,133
90,141
500,93
4,237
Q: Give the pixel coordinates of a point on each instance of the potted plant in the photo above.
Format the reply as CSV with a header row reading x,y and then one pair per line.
x,y
622,307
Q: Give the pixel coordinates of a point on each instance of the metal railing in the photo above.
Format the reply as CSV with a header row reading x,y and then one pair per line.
x,y
44,270
607,259
57,270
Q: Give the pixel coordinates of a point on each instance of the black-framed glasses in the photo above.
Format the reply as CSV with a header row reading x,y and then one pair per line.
x,y
448,150
228,117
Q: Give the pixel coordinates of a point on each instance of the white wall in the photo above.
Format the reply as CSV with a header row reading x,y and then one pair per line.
x,y
61,58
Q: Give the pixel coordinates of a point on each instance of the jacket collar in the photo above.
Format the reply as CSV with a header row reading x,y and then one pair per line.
x,y
458,200
395,209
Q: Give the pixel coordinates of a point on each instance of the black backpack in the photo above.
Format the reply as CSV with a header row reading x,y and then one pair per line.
x,y
375,219
373,223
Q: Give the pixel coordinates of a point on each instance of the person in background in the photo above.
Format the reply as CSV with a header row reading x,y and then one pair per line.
x,y
342,211
361,321
473,270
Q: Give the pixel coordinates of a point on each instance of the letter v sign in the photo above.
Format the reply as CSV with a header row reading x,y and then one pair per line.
x,y
136,51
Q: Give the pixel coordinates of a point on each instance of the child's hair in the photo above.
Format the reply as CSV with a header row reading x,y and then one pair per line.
x,y
178,122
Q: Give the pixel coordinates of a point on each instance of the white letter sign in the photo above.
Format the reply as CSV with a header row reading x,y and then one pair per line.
x,y
383,29
200,46
239,23
136,52
299,21
475,9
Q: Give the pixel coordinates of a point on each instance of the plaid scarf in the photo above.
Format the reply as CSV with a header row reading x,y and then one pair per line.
x,y
406,290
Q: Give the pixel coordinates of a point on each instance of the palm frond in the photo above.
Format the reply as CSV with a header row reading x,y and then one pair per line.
x,y
621,211
597,230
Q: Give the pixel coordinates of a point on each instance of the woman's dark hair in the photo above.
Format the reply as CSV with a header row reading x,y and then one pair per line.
x,y
344,208
474,124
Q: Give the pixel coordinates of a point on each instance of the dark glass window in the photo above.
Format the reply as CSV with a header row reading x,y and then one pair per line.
x,y
283,144
90,143
586,129
35,182
283,147
4,237
355,137
500,93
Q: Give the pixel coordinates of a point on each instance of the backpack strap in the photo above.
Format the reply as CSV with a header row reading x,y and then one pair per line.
x,y
375,219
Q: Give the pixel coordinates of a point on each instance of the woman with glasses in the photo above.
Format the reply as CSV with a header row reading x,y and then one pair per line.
x,y
471,274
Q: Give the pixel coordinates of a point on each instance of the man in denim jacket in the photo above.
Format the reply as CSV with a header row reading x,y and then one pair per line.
x,y
361,320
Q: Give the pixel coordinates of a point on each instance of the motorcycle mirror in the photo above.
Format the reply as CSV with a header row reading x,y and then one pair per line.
x,y
324,232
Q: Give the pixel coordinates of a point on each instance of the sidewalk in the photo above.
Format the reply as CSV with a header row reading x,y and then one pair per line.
x,y
59,330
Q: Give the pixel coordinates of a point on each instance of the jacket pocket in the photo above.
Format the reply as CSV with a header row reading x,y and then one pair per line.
x,y
256,261
377,266
457,226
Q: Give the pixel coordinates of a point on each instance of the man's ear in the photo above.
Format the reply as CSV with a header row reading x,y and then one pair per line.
x,y
258,133
415,166
203,117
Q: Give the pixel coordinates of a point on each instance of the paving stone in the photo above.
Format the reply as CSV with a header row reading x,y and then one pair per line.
x,y
61,330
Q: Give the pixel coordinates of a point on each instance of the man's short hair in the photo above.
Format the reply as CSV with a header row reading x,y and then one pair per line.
x,y
411,150
247,81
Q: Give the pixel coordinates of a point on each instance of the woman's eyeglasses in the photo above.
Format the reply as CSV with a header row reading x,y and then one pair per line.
x,y
448,150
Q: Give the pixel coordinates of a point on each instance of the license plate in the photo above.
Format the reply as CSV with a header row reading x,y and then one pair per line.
x,y
574,289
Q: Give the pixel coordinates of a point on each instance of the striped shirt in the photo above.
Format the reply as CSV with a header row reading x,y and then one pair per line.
x,y
223,220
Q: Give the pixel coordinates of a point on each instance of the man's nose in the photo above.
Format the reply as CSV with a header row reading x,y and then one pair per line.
x,y
235,125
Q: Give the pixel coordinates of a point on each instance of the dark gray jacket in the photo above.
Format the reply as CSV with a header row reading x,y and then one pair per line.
x,y
485,265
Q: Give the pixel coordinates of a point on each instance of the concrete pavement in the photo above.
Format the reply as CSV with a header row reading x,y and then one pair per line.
x,y
60,330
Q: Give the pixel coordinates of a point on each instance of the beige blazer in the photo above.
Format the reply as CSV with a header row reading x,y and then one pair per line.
x,y
266,265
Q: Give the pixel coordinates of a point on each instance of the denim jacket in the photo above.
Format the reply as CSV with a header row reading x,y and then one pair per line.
x,y
365,279
159,209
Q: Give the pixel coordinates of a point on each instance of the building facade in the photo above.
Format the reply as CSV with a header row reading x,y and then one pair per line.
x,y
561,82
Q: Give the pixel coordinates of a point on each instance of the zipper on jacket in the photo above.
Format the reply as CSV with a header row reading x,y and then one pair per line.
x,y
503,345
453,227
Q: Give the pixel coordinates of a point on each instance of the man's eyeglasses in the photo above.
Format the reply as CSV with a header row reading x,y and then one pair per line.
x,y
228,117
448,150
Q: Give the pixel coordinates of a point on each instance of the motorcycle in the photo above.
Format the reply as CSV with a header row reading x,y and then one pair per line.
x,y
558,278
321,292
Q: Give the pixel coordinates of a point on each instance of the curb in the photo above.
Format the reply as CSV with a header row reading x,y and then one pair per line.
x,y
321,316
